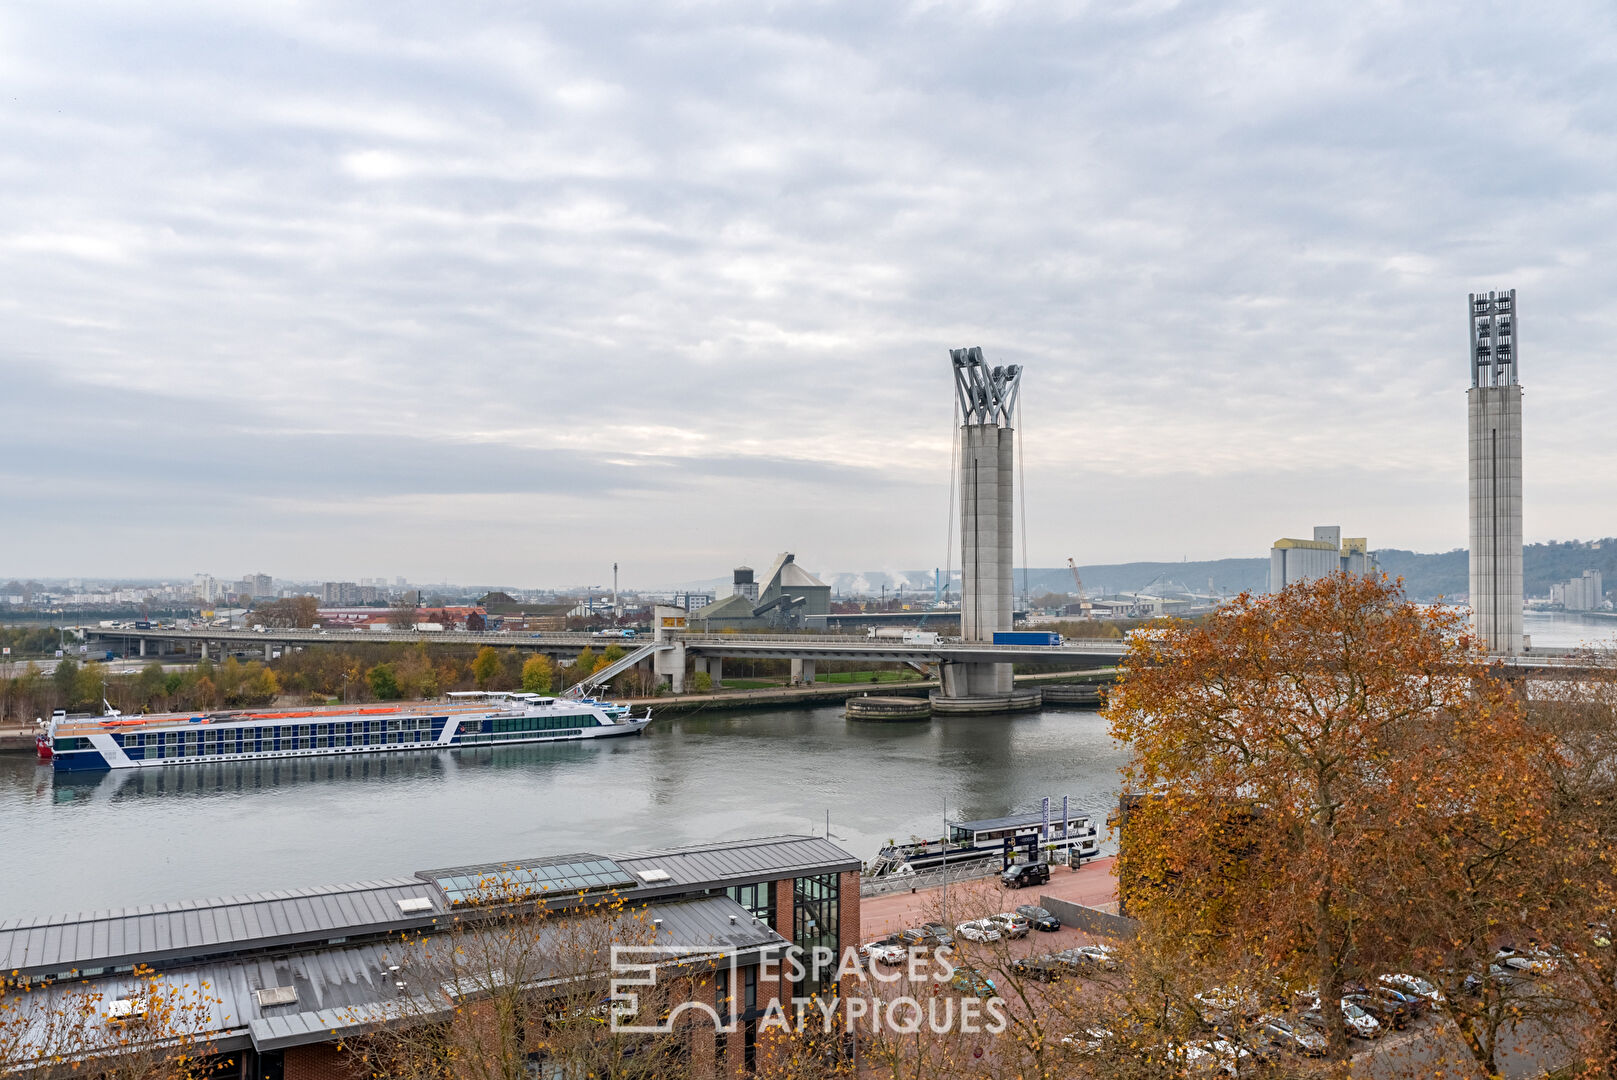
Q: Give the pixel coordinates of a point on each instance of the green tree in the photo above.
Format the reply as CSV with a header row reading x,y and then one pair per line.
x,y
486,668
66,678
702,682
384,682
537,673
582,666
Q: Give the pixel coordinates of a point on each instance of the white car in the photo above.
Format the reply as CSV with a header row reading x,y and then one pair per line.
x,y
1215,1056
1011,924
1410,984
1226,1003
1102,956
978,930
886,951
1087,1041
1358,1021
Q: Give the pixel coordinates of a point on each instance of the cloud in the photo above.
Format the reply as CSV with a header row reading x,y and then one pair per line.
x,y
692,274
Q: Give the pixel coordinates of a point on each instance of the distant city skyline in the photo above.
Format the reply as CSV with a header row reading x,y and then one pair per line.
x,y
516,297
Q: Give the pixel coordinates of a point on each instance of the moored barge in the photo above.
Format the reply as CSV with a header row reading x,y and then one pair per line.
x,y
464,718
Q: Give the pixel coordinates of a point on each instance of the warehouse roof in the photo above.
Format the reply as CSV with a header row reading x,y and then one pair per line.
x,y
193,930
308,995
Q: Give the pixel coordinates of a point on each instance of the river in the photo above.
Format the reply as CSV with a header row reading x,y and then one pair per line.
x,y
184,832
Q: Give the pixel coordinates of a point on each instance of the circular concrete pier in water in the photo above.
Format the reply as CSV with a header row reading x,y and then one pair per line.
x,y
888,709
987,704
1073,694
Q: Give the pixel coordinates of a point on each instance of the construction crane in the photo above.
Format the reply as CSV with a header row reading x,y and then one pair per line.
x,y
1085,608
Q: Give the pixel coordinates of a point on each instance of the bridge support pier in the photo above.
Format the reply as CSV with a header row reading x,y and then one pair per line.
x,y
268,656
669,664
143,646
802,672
712,666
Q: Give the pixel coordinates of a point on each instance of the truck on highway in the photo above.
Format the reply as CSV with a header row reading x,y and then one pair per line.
x,y
1026,637
908,637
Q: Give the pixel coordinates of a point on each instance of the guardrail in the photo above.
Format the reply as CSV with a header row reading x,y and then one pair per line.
x,y
929,879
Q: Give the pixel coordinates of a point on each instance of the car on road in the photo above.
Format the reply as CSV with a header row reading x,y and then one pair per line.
x,y
1411,984
978,930
888,950
1011,924
1024,874
1299,1038
1039,917
1534,960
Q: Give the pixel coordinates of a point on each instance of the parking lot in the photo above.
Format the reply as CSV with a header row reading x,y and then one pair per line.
x,y
1091,885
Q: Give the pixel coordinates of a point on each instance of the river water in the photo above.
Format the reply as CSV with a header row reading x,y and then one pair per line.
x,y
184,832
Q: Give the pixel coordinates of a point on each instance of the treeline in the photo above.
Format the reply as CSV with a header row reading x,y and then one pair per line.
x,y
30,640
89,688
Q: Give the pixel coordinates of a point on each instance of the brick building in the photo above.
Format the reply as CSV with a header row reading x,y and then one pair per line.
x,y
297,971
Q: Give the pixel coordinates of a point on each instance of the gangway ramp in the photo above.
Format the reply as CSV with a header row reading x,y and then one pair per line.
x,y
601,676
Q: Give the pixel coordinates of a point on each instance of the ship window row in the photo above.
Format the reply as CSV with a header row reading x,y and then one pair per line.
x,y
519,724
507,736
268,739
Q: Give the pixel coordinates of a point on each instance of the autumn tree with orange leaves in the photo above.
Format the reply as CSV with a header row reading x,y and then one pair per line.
x,y
1330,783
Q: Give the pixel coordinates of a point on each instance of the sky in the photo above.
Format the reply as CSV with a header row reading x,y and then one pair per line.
x,y
494,292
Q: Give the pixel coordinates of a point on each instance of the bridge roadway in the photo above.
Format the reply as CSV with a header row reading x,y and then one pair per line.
x,y
1075,653
757,646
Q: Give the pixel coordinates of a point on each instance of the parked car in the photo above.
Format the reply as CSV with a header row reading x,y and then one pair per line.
x,y
1299,1038
1088,1040
971,982
1024,874
1215,1056
1358,1021
1533,960
942,933
1497,973
1388,1013
888,950
1039,917
1414,1005
1221,1004
978,930
925,938
1410,984
1011,924
1042,968
1083,957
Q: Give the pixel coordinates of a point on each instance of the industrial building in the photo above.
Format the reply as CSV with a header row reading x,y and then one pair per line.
x,y
789,597
1292,560
1494,408
1586,593
295,972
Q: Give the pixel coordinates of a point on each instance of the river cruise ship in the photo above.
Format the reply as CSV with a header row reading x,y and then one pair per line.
x,y
468,718
1024,836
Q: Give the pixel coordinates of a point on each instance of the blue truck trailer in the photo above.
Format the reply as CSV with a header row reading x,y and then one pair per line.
x,y
1026,637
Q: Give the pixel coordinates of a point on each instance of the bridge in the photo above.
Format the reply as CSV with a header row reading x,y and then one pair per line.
x,y
668,652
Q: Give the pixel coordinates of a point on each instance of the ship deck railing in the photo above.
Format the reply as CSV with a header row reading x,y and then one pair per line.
x,y
318,713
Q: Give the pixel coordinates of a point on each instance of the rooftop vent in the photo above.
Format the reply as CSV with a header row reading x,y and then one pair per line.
x,y
125,1008
652,875
276,995
415,904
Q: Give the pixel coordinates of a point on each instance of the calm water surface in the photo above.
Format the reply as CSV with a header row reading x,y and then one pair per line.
x,y
210,830
1568,630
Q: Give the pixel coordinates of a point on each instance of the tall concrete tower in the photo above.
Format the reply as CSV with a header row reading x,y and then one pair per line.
x,y
1494,404
987,408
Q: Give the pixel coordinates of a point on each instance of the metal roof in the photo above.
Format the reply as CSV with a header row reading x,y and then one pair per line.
x,y
740,862
196,928
341,987
200,929
1036,817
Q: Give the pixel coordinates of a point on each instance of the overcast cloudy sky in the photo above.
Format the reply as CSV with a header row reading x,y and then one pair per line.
x,y
491,292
